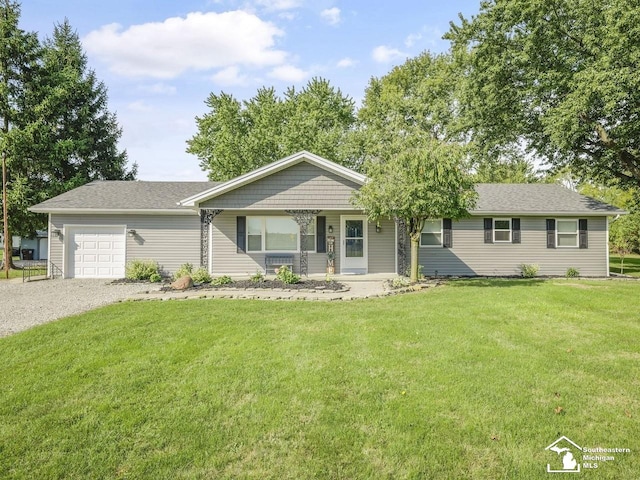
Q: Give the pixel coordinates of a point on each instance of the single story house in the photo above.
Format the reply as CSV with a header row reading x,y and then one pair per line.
x,y
298,211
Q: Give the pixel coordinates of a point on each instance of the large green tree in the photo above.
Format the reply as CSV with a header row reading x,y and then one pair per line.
x,y
57,131
236,137
427,179
557,76
19,52
415,153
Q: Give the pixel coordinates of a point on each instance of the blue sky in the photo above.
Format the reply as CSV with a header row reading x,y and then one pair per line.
x,y
161,59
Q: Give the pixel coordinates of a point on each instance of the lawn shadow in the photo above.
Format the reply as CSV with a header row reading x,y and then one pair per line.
x,y
496,282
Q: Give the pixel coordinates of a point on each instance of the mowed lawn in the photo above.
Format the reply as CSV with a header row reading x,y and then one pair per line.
x,y
471,380
631,265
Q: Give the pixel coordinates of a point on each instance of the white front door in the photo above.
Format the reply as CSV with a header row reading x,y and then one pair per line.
x,y
353,254
96,252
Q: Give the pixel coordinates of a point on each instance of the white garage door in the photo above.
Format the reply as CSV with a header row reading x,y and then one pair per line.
x,y
96,252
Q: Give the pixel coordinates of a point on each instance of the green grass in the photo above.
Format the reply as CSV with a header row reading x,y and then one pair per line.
x,y
631,264
460,381
12,273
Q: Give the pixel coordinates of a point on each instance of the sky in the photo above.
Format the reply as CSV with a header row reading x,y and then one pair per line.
x,y
161,59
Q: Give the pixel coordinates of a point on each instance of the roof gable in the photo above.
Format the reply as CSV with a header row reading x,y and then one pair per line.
x,y
270,169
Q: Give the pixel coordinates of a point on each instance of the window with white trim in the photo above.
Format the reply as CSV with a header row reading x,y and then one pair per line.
x,y
431,235
311,237
501,230
277,234
566,232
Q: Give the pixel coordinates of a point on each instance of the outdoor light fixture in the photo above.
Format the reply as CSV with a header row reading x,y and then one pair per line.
x,y
330,228
56,232
378,228
132,232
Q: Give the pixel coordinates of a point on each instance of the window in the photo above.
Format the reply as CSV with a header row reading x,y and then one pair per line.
x,y
254,234
311,237
567,233
502,230
431,234
277,234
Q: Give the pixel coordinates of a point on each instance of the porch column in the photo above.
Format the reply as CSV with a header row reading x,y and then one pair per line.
x,y
303,218
206,217
403,261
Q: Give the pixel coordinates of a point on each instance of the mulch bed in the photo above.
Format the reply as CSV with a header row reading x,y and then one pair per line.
x,y
248,284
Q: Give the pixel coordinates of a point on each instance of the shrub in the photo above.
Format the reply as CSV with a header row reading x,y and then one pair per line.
x,y
400,282
155,278
223,280
141,269
529,271
201,276
572,272
184,270
257,277
287,276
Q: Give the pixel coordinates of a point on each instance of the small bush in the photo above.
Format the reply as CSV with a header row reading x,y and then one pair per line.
x,y
257,277
141,269
184,270
155,278
529,271
400,282
287,276
572,272
201,276
223,280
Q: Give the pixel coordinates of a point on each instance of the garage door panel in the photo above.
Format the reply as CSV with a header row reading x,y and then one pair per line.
x,y
98,252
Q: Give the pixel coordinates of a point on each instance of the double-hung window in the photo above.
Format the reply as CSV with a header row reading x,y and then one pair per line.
x,y
501,230
566,232
431,235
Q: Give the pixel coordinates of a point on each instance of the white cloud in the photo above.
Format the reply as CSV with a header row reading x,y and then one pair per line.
x,y
431,36
290,16
230,76
199,41
288,73
346,63
384,54
159,89
331,15
278,4
411,40
139,106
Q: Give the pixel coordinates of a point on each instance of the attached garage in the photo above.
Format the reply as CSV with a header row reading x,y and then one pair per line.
x,y
95,251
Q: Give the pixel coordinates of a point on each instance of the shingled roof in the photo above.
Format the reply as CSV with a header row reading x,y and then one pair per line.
x,y
124,196
537,199
141,196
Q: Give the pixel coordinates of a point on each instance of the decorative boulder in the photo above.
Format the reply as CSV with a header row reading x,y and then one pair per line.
x,y
182,283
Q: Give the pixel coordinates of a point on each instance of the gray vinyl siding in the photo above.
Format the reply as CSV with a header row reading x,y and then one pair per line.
x,y
226,260
171,240
299,186
471,256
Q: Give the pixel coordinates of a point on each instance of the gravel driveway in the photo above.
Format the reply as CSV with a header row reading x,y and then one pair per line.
x,y
24,305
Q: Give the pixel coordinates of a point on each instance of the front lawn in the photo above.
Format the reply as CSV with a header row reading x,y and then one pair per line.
x,y
469,380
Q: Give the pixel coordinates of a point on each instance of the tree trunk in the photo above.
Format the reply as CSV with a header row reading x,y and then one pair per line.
x,y
621,264
415,251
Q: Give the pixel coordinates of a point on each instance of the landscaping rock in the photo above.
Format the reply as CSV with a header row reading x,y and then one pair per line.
x,y
182,283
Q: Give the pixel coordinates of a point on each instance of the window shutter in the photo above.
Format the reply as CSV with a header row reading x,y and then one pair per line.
x,y
321,238
488,230
583,240
551,233
241,234
515,230
447,234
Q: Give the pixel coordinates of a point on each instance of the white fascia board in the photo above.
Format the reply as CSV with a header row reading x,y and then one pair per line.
x,y
544,214
271,169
